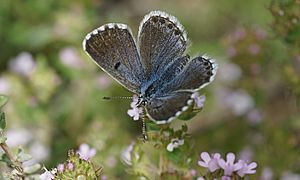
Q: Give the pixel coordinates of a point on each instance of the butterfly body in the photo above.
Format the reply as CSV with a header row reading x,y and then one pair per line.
x,y
155,68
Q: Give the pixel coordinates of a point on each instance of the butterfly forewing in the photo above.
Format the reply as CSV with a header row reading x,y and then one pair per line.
x,y
113,48
161,40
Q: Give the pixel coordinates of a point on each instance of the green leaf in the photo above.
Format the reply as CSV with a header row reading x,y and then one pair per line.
x,y
3,100
2,121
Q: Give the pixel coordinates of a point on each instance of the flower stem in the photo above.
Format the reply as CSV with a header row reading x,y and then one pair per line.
x,y
15,164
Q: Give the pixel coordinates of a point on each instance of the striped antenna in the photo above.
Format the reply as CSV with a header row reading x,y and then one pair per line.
x,y
117,97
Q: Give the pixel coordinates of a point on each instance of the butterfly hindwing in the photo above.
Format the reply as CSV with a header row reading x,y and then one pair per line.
x,y
165,108
112,47
198,73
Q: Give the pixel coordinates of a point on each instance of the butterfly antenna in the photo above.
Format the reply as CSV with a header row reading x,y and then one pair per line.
x,y
117,97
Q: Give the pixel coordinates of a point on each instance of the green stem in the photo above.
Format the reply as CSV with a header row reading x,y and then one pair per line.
x,y
15,164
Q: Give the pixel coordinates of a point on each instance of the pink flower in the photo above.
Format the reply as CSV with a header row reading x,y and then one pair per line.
x,y
70,166
47,175
210,162
85,152
225,178
231,52
246,168
254,49
23,64
199,100
135,111
70,58
229,166
60,167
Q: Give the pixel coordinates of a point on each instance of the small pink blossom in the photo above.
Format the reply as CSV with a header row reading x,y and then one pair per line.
x,y
229,166
246,168
225,178
23,64
260,34
135,111
70,166
199,100
47,175
60,167
231,52
210,162
70,58
85,152
254,49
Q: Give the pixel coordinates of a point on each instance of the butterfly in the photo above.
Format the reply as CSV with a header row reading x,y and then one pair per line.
x,y
155,67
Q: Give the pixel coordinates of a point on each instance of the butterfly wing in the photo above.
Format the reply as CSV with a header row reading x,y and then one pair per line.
x,y
112,47
161,40
166,108
197,73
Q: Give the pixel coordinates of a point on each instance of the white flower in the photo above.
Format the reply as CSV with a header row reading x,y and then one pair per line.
x,y
136,111
47,175
23,64
210,162
4,86
175,143
229,72
85,152
126,155
17,137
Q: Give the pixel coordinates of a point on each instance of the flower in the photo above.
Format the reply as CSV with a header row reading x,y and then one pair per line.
x,y
47,175
70,58
225,178
254,49
175,143
199,100
254,116
4,86
231,52
85,152
267,174
229,166
70,166
23,64
18,136
102,81
135,111
60,167
246,168
200,178
210,162
126,154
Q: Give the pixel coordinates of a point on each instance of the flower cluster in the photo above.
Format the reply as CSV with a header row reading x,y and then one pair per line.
x,y
77,163
230,168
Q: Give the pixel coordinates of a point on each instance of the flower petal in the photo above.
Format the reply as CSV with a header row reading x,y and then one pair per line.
x,y
205,156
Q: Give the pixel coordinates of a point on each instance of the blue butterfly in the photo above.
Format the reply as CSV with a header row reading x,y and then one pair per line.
x,y
156,67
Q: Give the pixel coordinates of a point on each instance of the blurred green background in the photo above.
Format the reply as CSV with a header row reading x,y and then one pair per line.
x,y
55,91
